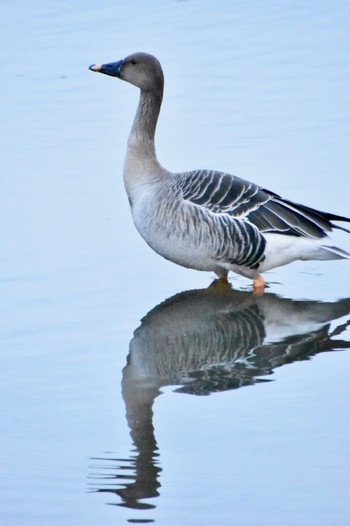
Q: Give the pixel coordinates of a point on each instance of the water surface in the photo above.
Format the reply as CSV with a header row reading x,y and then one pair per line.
x,y
130,391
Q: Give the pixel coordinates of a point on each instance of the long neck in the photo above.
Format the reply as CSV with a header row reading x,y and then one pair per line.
x,y
141,138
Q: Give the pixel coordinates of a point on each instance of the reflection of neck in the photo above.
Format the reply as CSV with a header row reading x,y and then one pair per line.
x,y
139,414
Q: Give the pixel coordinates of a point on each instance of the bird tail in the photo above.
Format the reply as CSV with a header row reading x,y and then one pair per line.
x,y
325,216
335,252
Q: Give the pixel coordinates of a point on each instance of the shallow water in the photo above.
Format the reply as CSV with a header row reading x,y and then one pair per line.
x,y
130,391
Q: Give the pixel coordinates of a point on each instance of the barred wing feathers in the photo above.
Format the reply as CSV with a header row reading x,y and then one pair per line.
x,y
223,193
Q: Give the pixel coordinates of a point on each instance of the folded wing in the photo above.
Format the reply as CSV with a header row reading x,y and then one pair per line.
x,y
222,193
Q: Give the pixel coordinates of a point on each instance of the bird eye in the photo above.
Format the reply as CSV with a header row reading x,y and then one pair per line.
x,y
133,61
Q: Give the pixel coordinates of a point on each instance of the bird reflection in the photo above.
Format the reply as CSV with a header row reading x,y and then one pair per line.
x,y
206,341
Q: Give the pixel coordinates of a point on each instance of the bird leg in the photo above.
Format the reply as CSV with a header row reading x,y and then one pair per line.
x,y
259,285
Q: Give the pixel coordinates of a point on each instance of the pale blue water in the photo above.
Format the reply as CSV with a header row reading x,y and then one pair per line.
x,y
107,419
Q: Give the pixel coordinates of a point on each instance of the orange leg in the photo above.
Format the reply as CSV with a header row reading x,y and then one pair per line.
x,y
221,284
259,285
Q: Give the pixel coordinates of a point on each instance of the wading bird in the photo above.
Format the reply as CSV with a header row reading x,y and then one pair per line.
x,y
206,219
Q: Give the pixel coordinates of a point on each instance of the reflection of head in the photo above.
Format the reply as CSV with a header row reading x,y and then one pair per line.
x,y
205,341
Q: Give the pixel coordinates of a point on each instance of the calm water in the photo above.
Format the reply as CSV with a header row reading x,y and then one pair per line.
x,y
133,390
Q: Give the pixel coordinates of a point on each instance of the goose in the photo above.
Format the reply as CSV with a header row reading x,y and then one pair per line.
x,y
207,219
